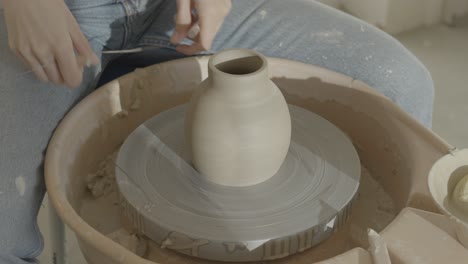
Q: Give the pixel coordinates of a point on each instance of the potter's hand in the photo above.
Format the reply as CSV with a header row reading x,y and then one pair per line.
x,y
208,15
45,35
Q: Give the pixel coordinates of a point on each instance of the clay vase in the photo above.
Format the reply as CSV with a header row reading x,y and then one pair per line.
x,y
238,126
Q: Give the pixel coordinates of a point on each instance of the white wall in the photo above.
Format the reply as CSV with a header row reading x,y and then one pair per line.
x,y
434,11
372,11
334,3
405,15
454,8
395,16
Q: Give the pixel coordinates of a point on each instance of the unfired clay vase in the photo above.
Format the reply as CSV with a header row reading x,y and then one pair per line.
x,y
391,144
238,126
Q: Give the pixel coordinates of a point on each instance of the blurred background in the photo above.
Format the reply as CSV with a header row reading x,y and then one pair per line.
x,y
436,31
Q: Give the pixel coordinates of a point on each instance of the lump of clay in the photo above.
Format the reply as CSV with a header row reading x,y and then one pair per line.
x,y
133,242
102,182
460,195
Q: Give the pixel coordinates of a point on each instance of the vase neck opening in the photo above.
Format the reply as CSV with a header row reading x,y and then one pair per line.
x,y
241,66
237,65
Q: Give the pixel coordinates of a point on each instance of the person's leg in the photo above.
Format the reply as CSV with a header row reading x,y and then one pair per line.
x,y
314,33
310,32
29,113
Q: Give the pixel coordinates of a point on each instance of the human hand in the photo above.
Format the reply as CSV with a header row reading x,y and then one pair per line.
x,y
209,17
45,35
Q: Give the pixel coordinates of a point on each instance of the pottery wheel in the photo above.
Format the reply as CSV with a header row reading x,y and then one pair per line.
x,y
165,199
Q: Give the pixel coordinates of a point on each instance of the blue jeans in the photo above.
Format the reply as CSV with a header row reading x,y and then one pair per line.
x,y
299,30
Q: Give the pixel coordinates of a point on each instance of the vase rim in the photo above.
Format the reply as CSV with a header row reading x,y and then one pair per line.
x,y
228,55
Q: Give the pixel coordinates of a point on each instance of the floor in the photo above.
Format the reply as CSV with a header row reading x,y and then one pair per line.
x,y
443,49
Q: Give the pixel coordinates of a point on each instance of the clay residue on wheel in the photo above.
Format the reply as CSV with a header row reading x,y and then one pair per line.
x,y
374,209
101,208
131,241
102,182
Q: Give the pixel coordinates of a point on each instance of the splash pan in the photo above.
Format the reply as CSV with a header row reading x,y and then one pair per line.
x,y
396,155
302,205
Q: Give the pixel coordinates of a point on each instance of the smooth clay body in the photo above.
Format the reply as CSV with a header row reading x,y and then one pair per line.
x,y
238,126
